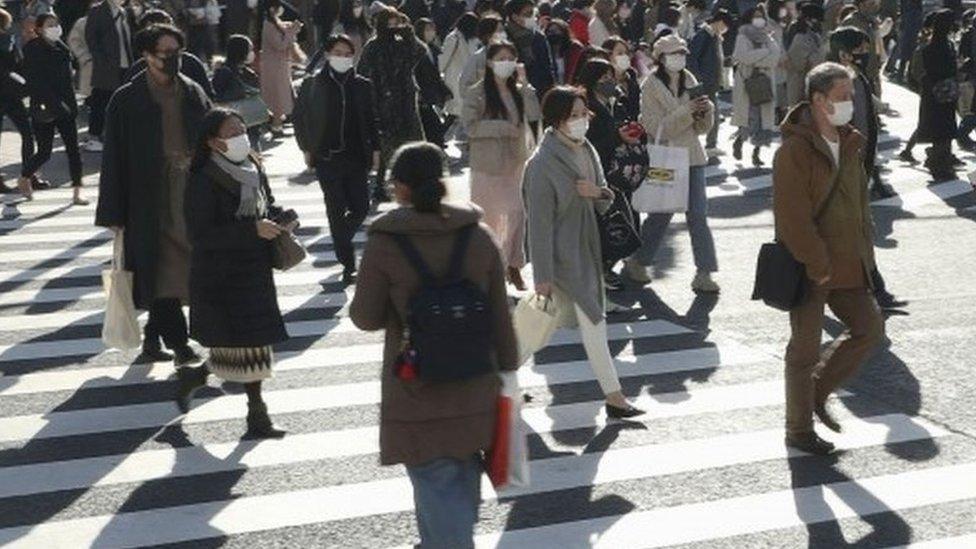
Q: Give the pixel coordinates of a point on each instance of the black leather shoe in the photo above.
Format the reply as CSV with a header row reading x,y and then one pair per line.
x,y
737,148
153,354
259,424
622,413
190,379
39,184
757,160
810,443
349,277
612,280
185,355
820,410
888,301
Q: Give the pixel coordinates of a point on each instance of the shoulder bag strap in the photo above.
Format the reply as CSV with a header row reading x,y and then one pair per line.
x,y
458,253
413,256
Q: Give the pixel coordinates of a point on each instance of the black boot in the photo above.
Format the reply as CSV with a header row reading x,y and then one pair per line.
x,y
185,355
737,148
756,159
259,424
190,379
152,352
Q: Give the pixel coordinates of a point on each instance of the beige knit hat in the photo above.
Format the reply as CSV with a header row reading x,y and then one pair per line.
x,y
671,43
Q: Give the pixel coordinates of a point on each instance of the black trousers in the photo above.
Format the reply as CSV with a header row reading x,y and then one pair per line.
x,y
45,141
98,101
344,185
17,112
166,322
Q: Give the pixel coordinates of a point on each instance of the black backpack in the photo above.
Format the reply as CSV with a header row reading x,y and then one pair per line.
x,y
449,319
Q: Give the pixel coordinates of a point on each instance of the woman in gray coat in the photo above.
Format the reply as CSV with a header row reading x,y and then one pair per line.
x,y
564,186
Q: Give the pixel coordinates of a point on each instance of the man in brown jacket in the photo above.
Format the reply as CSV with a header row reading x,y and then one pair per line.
x,y
828,230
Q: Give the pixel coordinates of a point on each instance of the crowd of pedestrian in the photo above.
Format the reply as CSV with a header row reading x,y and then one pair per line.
x,y
553,106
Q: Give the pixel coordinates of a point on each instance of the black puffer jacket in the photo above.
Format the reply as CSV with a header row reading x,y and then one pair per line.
x,y
233,300
47,68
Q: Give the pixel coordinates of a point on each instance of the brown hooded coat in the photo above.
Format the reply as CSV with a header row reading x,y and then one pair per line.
x,y
840,242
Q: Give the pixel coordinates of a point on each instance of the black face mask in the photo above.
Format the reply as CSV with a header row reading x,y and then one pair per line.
x,y
172,64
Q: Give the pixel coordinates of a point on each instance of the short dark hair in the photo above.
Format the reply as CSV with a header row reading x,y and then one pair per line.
x,y
557,104
592,72
334,39
613,42
847,39
512,7
722,15
147,39
42,18
238,46
155,17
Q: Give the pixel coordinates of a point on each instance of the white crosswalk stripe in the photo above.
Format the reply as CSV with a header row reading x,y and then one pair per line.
x,y
93,451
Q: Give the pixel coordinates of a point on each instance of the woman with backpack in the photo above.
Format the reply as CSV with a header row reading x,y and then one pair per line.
x,y
233,301
496,116
436,429
756,56
564,190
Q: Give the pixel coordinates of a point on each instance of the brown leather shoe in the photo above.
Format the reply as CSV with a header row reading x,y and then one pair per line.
x,y
810,443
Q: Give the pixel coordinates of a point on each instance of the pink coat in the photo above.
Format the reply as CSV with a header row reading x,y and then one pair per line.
x,y
276,50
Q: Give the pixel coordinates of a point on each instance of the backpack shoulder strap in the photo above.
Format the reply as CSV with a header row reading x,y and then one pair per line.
x,y
413,256
458,253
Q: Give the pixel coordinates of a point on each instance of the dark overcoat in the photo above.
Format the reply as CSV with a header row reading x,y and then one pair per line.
x,y
132,179
936,121
233,301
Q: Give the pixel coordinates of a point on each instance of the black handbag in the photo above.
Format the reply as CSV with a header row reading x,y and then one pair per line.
x,y
619,238
781,280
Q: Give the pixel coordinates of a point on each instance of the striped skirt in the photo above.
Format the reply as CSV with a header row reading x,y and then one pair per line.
x,y
241,364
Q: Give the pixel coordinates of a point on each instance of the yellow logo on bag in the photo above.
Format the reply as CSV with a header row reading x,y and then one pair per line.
x,y
660,176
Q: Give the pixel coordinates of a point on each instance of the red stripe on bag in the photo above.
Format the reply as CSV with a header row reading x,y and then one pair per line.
x,y
498,455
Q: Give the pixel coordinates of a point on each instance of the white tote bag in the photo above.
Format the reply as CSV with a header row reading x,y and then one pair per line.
x,y
120,329
665,190
508,458
535,320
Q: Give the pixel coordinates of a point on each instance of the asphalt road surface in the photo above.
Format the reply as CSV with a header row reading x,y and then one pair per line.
x,y
94,453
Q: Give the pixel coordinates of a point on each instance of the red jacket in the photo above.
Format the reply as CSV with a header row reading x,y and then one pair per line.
x,y
579,26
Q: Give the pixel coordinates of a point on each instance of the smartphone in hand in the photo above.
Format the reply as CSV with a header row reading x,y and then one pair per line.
x,y
695,92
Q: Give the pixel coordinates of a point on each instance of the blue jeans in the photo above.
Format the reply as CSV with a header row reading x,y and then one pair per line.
x,y
702,244
446,495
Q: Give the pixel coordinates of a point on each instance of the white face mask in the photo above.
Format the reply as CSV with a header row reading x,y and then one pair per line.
x,y
577,128
499,37
621,62
340,64
783,13
843,113
624,12
530,23
357,12
238,147
759,23
53,33
675,62
250,58
503,69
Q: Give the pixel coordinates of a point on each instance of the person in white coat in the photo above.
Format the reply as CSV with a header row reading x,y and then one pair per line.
x,y
603,25
459,44
79,48
755,51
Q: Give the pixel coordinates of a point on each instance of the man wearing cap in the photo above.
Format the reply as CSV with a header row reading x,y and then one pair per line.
x,y
705,61
822,215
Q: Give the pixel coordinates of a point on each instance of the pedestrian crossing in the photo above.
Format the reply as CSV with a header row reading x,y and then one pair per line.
x,y
93,452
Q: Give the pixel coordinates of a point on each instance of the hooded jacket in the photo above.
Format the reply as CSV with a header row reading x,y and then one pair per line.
x,y
838,243
420,421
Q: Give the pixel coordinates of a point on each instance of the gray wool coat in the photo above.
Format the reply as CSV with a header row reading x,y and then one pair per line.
x,y
564,239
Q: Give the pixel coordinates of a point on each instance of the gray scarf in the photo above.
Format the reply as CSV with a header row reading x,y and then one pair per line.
x,y
757,36
253,203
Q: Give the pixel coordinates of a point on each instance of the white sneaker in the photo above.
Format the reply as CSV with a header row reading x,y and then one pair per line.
x,y
93,145
703,283
636,272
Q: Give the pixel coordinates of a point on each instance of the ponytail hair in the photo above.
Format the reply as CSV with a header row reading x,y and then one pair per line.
x,y
420,166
